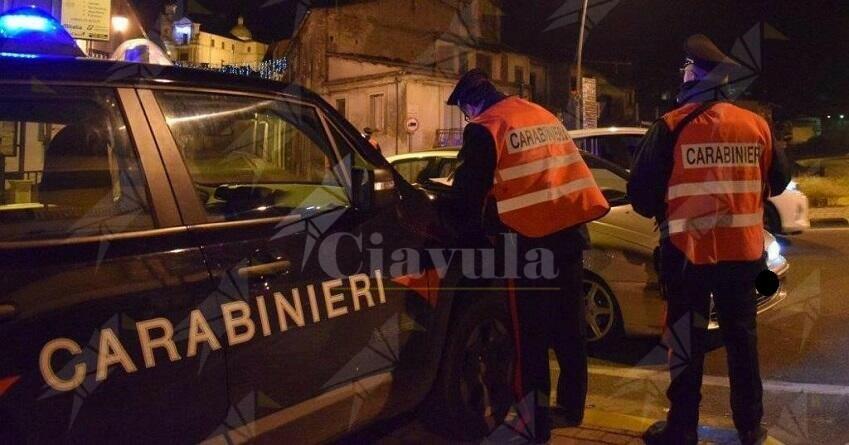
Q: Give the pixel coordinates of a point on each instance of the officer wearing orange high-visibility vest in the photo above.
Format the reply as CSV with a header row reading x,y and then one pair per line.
x,y
703,172
521,176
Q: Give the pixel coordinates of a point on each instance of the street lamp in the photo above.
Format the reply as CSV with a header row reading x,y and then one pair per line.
x,y
120,24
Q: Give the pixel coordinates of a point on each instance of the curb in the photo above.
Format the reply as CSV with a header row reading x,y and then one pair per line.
x,y
636,425
824,223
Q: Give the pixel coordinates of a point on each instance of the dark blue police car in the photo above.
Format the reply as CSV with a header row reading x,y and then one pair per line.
x,y
189,256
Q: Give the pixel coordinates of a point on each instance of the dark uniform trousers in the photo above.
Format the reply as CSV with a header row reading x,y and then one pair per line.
x,y
688,289
549,313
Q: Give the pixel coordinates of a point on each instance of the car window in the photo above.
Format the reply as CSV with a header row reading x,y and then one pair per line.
x,y
618,149
411,169
254,158
70,168
447,167
613,184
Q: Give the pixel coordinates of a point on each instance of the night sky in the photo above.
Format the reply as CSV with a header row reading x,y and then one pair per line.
x,y
808,73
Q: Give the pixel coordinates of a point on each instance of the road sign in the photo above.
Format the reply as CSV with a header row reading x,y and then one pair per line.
x,y
87,19
411,124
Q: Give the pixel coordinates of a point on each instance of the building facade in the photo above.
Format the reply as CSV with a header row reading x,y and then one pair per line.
x,y
186,43
390,65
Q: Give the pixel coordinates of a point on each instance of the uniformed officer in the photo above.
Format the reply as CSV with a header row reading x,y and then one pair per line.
x,y
703,171
369,132
521,174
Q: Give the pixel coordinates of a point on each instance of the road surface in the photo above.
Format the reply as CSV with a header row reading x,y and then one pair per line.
x,y
804,351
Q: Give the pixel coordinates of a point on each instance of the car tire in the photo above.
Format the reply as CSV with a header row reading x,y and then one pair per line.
x,y
772,220
605,326
473,392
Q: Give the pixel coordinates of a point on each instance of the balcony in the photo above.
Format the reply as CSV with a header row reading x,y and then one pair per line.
x,y
449,137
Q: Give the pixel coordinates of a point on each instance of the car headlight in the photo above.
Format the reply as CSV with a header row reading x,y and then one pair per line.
x,y
773,251
792,186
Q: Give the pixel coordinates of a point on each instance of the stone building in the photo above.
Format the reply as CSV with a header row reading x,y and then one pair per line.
x,y
388,63
185,42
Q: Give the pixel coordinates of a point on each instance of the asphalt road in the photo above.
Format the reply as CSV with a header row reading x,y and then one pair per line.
x,y
804,353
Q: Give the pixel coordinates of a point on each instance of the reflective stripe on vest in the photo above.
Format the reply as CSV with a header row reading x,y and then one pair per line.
x,y
533,198
713,188
716,189
535,167
714,221
541,184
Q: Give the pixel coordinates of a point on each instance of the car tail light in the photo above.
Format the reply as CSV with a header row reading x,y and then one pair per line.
x,y
7,382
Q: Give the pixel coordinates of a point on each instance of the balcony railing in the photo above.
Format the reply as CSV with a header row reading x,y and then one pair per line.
x,y
449,137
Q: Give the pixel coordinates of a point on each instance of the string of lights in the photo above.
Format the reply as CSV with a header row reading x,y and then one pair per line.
x,y
269,69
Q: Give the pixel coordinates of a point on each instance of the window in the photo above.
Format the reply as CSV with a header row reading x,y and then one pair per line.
x,y
618,149
376,110
412,169
505,67
341,107
464,62
484,63
222,45
212,43
254,158
447,167
518,74
452,117
71,170
533,82
612,181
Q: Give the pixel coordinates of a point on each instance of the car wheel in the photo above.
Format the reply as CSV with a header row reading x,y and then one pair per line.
x,y
472,394
603,316
772,220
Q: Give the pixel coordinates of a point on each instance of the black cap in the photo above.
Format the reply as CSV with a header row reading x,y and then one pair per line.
x,y
472,81
704,53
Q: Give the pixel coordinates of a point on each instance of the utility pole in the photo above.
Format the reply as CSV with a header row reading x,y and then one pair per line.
x,y
579,69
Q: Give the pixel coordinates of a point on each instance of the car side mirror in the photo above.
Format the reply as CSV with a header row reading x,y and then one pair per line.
x,y
384,187
615,197
373,188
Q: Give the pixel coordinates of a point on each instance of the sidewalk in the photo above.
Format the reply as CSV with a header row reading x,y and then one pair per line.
x,y
829,216
607,428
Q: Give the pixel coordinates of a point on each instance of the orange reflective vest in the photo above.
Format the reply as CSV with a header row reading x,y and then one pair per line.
x,y
717,188
541,184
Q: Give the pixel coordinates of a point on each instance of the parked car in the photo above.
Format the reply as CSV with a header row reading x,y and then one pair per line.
x,y
786,213
183,260
622,292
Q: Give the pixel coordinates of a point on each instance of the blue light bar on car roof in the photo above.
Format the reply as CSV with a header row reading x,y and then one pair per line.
x,y
30,32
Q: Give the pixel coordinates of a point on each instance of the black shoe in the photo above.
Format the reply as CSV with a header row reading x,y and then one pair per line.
x,y
755,436
563,418
661,434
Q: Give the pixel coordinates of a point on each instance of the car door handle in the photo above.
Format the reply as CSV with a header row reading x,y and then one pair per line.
x,y
264,270
8,311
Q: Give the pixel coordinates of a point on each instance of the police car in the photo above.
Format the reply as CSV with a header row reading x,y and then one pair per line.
x,y
189,256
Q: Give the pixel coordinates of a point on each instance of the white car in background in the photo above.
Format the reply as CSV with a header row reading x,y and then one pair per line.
x,y
786,213
622,292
